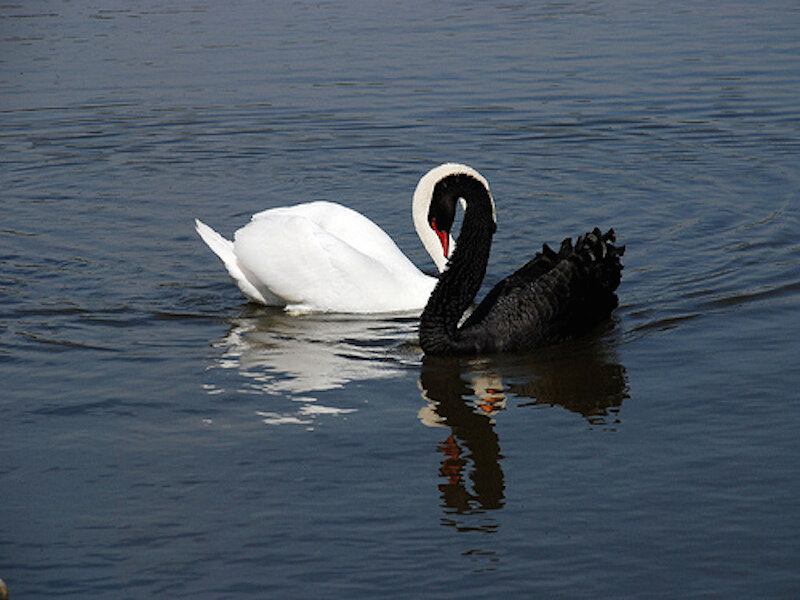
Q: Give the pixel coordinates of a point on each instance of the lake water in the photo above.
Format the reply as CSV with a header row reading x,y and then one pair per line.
x,y
161,438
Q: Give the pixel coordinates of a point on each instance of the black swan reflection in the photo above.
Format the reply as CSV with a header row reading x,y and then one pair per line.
x,y
472,439
466,395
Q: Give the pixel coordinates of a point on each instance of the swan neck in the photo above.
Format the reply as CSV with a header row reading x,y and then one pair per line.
x,y
462,279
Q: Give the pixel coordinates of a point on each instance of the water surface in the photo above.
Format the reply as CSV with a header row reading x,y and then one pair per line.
x,y
163,438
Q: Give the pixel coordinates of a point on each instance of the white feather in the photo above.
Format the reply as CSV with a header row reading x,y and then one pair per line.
x,y
321,256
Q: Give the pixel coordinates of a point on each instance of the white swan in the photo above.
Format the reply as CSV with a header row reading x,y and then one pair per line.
x,y
322,256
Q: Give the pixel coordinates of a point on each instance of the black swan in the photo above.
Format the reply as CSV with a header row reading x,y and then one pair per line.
x,y
555,296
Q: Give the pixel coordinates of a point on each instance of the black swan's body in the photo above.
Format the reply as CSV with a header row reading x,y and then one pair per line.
x,y
555,296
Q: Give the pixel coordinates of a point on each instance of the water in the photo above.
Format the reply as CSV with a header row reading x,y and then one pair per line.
x,y
161,438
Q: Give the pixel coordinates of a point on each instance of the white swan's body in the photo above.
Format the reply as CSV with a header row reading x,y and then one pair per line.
x,y
321,256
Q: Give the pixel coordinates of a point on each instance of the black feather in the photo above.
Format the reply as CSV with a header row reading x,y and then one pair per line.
x,y
553,297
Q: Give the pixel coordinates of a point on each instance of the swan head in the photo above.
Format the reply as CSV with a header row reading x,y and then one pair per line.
x,y
433,220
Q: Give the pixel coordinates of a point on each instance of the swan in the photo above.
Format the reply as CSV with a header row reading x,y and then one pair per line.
x,y
324,257
555,296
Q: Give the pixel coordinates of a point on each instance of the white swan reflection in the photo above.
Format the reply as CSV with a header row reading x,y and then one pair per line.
x,y
296,357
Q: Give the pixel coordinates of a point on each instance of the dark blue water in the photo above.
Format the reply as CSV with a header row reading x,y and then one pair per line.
x,y
162,438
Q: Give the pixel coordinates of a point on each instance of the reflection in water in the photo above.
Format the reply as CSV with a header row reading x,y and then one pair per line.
x,y
295,356
472,439
465,394
584,379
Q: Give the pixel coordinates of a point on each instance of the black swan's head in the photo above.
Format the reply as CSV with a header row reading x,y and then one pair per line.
x,y
435,201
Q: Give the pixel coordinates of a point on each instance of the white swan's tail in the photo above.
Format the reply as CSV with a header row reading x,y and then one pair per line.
x,y
224,250
221,247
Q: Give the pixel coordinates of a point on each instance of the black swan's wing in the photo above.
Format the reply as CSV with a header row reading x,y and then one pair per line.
x,y
555,296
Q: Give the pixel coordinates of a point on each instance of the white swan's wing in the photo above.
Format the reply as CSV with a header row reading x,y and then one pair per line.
x,y
225,251
360,233
320,256
312,268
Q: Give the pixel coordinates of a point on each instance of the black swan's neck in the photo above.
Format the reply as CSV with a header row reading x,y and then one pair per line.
x,y
460,282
